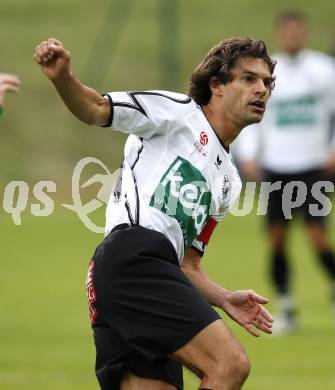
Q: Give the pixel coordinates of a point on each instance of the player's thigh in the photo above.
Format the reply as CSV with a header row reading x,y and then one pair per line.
x,y
130,381
213,348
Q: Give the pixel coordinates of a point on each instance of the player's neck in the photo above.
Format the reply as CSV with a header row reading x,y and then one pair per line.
x,y
223,126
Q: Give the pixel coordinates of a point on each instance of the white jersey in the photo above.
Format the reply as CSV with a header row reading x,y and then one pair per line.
x,y
294,134
176,174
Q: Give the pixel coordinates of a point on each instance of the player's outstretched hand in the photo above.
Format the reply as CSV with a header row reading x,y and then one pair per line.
x,y
245,307
53,58
8,83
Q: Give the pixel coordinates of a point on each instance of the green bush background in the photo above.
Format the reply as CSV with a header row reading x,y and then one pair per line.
x,y
115,45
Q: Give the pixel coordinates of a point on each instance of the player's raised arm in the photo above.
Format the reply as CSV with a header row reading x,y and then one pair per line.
x,y
84,102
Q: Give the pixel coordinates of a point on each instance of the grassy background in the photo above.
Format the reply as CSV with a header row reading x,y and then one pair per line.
x,y
45,336
45,339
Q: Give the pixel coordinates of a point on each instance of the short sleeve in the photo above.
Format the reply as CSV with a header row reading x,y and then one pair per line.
x,y
149,112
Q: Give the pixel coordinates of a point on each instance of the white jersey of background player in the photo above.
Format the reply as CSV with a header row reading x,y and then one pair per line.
x,y
294,143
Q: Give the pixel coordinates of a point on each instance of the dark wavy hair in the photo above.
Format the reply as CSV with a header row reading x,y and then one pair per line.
x,y
219,62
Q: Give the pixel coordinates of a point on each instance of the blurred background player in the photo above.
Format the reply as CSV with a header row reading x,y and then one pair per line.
x,y
293,143
8,83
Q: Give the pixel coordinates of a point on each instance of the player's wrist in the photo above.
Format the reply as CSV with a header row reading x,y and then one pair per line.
x,y
63,77
225,299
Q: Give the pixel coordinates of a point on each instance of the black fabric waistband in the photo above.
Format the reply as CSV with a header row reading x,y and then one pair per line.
x,y
146,232
122,226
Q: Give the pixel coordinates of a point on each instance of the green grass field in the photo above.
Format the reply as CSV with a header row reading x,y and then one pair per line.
x,y
45,336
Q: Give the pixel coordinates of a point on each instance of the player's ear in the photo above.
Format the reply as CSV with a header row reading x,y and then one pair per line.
x,y
215,85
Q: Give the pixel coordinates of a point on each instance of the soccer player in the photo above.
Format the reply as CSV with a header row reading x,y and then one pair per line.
x,y
150,302
8,83
293,143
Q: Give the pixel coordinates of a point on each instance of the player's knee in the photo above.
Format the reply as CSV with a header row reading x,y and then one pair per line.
x,y
242,366
239,367
231,370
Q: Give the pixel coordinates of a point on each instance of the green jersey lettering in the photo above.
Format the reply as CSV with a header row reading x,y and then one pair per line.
x,y
297,112
183,194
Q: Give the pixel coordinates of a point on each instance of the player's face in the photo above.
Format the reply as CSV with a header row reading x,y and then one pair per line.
x,y
292,36
244,98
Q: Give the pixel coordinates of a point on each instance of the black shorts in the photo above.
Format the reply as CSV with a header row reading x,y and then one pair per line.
x,y
142,307
276,203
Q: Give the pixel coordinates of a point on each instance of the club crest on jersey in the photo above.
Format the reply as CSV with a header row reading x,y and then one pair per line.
x,y
183,194
226,186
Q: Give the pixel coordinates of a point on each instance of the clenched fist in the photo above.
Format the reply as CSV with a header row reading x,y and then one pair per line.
x,y
53,58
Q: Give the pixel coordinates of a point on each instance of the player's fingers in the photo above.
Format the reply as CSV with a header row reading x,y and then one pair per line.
x,y
10,88
251,330
42,53
258,298
264,320
7,75
14,80
9,79
39,52
59,50
261,299
265,314
52,43
37,58
55,42
261,326
36,54
47,55
44,47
